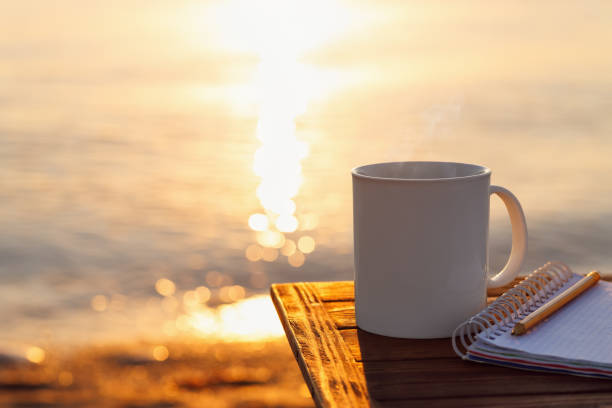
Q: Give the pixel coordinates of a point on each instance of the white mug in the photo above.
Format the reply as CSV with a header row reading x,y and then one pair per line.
x,y
421,232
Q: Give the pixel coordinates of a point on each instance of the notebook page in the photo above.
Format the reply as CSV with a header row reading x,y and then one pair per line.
x,y
581,330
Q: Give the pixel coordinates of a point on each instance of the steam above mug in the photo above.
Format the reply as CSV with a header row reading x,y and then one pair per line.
x,y
420,233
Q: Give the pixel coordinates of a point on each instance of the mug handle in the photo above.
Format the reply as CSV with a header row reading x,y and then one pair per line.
x,y
519,239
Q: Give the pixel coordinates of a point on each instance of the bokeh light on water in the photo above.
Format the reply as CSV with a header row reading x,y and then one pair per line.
x,y
282,88
35,354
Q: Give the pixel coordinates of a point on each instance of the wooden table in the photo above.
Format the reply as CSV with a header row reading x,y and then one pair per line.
x,y
347,367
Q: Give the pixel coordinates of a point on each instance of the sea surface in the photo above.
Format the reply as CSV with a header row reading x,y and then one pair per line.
x,y
162,162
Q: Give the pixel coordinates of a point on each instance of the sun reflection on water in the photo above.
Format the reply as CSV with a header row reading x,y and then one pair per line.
x,y
280,33
277,160
251,319
224,313
35,354
283,94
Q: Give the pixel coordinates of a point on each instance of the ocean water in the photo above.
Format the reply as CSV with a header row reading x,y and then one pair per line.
x,y
138,139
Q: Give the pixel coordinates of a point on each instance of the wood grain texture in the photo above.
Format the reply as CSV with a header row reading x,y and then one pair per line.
x,y
326,361
336,291
345,366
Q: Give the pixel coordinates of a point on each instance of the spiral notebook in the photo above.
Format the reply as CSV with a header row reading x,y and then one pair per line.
x,y
577,339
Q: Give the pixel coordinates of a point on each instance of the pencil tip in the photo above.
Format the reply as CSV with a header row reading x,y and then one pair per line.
x,y
519,329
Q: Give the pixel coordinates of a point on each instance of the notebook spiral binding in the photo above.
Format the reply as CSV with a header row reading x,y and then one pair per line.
x,y
513,305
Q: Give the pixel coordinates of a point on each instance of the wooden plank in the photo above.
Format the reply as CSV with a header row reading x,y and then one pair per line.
x,y
342,313
344,366
336,291
453,377
500,291
366,346
326,362
509,400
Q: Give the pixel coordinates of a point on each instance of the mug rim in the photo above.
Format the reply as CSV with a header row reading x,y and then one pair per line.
x,y
483,172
